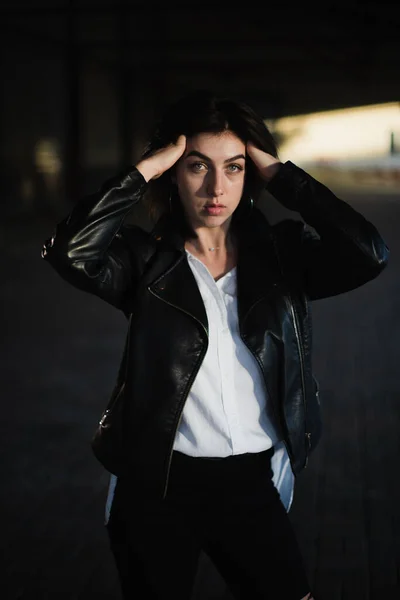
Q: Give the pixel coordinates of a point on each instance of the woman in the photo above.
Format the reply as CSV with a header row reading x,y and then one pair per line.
x,y
221,406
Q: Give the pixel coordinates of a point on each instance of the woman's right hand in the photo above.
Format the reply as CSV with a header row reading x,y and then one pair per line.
x,y
162,160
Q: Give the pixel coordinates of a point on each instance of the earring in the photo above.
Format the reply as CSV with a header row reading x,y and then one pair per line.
x,y
251,204
170,202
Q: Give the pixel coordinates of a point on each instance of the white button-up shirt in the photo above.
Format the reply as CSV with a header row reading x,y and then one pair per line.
x,y
228,410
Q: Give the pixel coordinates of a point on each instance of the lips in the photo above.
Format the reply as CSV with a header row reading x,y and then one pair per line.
x,y
214,209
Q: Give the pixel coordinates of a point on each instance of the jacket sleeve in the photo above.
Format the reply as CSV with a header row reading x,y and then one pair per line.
x,y
346,250
89,247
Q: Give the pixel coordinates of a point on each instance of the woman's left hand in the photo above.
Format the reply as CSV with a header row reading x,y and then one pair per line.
x,y
266,164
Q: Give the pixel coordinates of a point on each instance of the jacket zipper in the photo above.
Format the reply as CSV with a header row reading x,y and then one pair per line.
x,y
269,394
303,385
296,328
276,417
265,379
186,393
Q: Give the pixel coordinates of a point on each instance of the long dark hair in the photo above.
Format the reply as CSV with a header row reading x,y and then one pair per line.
x,y
204,112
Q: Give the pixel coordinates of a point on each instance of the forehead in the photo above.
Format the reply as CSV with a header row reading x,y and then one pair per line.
x,y
216,145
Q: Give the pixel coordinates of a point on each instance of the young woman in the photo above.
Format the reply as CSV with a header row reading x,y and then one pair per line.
x,y
221,406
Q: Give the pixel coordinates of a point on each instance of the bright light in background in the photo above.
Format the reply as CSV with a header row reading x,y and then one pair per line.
x,y
354,148
47,160
346,134
47,157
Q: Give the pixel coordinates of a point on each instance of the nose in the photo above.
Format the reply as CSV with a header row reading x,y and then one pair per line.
x,y
215,185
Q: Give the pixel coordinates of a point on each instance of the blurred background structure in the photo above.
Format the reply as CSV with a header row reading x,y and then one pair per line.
x,y
83,83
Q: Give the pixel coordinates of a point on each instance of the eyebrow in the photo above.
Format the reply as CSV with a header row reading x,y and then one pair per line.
x,y
204,157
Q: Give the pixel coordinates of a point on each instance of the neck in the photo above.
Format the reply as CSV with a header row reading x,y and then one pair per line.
x,y
210,242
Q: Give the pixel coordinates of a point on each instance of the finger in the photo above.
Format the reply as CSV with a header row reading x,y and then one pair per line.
x,y
181,143
251,149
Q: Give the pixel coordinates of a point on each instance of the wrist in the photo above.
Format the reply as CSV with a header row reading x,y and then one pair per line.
x,y
271,170
146,168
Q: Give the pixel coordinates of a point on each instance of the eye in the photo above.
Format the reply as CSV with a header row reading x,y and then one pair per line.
x,y
235,168
196,166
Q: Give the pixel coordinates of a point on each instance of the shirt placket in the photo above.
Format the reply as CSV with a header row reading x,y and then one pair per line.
x,y
226,367
224,356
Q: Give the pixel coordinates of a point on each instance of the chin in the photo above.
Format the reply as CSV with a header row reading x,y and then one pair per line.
x,y
201,220
215,221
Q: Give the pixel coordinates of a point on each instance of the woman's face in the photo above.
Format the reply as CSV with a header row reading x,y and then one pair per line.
x,y
210,178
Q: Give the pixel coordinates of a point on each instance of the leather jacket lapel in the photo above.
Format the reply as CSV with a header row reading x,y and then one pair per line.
x,y
175,283
178,287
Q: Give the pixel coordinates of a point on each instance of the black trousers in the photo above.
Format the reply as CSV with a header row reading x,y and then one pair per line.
x,y
230,509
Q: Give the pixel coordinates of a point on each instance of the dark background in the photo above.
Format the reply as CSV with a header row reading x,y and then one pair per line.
x,y
92,76
82,85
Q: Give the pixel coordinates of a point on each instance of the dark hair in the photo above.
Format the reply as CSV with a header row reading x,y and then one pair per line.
x,y
204,112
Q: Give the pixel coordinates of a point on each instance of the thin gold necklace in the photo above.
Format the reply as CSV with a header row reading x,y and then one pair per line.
x,y
213,248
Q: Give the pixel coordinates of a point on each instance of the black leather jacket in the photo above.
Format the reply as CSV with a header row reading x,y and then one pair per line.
x,y
280,269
